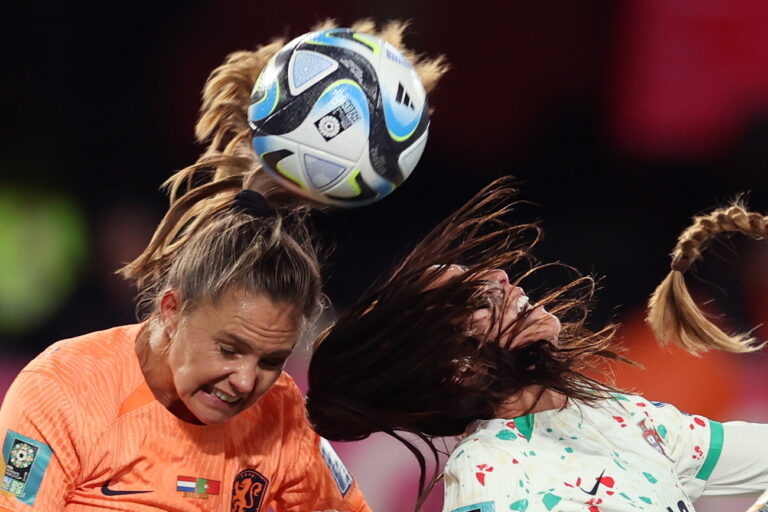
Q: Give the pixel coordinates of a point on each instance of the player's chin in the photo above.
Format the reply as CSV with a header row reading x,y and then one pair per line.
x,y
212,412
552,331
208,417
546,327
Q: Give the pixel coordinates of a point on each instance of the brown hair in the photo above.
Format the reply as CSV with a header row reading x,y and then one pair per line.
x,y
672,314
203,246
400,359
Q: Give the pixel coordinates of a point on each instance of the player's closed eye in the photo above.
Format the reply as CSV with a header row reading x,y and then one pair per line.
x,y
227,350
272,364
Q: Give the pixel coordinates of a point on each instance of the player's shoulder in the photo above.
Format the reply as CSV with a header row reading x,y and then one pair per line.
x,y
481,453
486,437
105,348
627,399
636,404
91,361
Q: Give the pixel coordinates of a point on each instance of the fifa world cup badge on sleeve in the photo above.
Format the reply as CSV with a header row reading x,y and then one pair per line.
x,y
338,470
25,463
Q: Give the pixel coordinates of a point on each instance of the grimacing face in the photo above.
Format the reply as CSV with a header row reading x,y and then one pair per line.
x,y
223,357
538,324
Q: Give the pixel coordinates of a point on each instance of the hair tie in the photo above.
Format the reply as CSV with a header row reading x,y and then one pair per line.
x,y
680,264
252,203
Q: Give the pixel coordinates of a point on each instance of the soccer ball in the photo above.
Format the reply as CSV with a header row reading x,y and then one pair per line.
x,y
339,116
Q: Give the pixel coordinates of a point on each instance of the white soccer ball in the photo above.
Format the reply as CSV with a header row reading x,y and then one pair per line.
x,y
340,117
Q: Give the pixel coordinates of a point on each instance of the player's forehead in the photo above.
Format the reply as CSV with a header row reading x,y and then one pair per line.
x,y
444,273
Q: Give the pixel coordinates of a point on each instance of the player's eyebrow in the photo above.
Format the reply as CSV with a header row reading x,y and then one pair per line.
x,y
243,343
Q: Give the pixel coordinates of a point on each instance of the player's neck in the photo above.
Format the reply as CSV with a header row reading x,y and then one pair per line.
x,y
156,373
532,399
151,349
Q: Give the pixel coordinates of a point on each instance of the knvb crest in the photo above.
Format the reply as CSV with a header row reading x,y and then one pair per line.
x,y
248,491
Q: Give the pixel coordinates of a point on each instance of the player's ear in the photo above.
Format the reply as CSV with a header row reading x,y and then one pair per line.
x,y
170,311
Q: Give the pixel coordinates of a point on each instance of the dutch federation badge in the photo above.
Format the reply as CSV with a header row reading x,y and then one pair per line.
x,y
25,462
248,490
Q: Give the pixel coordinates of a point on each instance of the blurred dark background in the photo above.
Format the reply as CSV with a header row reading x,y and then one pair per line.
x,y
621,119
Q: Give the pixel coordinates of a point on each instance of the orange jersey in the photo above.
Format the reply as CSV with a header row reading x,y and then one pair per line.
x,y
82,431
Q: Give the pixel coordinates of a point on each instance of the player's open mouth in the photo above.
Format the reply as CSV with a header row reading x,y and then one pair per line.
x,y
522,304
218,397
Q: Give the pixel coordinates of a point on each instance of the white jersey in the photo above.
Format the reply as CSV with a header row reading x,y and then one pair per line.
x,y
621,454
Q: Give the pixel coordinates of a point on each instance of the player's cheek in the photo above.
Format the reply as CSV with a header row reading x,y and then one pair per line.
x,y
478,323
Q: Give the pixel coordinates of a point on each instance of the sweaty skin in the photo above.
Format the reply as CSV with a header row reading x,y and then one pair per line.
x,y
208,365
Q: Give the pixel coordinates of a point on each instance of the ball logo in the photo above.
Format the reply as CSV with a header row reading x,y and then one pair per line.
x,y
329,126
337,120
248,491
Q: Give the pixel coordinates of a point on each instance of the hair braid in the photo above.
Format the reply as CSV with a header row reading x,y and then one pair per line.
x,y
672,314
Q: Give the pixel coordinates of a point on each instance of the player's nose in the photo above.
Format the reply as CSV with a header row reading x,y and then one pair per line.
x,y
499,276
244,379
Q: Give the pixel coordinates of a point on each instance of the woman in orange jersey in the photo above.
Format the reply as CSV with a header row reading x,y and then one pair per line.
x,y
190,409
445,350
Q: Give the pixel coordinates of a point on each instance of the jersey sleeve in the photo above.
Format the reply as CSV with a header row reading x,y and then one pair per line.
x,y
39,460
315,477
743,464
481,478
693,443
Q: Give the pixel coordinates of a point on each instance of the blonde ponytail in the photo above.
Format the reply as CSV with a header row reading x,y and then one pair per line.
x,y
228,165
672,314
200,195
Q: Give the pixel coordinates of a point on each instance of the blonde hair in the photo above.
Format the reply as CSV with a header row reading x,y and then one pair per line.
x,y
202,246
672,314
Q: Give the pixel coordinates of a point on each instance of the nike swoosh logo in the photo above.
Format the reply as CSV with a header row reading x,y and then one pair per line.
x,y
106,491
597,484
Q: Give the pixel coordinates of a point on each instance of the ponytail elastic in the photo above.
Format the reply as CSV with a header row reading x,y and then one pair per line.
x,y
252,203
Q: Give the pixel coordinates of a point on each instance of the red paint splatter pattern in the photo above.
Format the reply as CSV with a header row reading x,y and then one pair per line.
x,y
483,470
577,489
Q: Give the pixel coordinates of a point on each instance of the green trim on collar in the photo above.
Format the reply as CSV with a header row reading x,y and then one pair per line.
x,y
524,425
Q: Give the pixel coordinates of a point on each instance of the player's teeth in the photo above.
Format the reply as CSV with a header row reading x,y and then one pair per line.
x,y
224,396
522,303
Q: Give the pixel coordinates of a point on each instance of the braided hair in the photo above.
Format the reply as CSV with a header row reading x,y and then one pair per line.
x,y
672,314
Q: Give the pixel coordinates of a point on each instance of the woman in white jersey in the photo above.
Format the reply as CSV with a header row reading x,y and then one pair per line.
x,y
442,349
